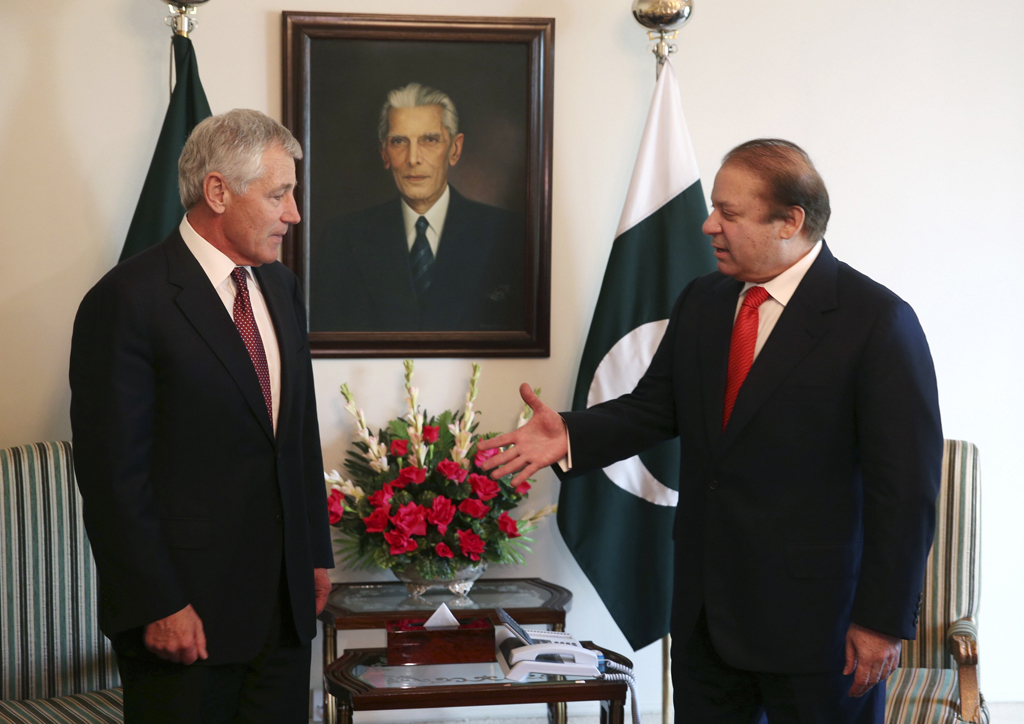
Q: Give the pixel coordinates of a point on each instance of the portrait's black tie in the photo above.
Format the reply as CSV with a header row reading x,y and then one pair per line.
x,y
422,259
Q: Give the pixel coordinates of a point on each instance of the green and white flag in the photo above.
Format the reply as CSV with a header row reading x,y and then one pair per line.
x,y
618,521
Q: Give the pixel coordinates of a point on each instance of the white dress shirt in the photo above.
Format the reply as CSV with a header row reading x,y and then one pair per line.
x,y
435,217
780,290
218,268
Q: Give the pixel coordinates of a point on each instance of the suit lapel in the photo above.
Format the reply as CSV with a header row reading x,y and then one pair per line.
x,y
716,333
201,304
384,260
459,251
801,325
286,327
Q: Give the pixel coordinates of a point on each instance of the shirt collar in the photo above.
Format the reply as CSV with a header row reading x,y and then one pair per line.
x,y
782,287
435,215
215,263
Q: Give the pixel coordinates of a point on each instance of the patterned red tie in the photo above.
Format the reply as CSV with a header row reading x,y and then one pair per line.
x,y
741,348
246,324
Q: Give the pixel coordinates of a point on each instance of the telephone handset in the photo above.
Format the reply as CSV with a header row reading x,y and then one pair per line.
x,y
521,653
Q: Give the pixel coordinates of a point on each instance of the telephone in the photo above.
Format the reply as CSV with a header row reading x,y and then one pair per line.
x,y
521,653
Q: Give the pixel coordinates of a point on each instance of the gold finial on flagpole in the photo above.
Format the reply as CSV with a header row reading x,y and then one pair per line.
x,y
182,18
662,18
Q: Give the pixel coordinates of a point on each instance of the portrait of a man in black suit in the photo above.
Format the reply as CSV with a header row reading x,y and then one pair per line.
x,y
429,259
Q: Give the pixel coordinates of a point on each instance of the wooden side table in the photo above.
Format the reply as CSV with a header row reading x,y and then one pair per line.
x,y
351,606
361,680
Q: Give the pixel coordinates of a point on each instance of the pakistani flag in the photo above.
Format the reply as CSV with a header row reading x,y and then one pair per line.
x,y
159,209
618,521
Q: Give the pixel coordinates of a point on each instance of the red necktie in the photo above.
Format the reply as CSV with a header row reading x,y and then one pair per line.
x,y
246,324
741,348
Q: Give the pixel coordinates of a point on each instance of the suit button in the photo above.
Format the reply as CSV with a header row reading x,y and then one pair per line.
x,y
713,484
278,518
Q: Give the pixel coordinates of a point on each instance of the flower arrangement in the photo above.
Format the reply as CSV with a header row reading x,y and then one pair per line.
x,y
417,495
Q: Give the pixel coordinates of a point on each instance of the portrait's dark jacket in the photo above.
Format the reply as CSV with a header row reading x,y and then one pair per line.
x,y
189,497
361,276
816,506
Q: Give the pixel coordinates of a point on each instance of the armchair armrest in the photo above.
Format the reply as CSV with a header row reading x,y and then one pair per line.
x,y
963,643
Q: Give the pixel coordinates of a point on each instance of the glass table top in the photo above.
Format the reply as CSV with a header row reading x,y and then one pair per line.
x,y
486,594
376,673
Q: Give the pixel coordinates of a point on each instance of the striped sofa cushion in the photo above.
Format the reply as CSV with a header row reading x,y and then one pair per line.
x,y
97,707
952,577
925,696
50,643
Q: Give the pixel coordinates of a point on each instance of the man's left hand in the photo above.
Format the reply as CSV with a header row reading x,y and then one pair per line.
x,y
872,655
322,584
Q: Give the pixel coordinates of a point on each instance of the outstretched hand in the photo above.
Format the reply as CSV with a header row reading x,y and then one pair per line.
x,y
540,442
871,656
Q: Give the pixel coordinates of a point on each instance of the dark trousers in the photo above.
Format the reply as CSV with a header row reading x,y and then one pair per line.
x,y
273,688
707,689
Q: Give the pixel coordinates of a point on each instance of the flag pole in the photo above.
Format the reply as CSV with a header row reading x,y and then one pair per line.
x,y
182,19
663,18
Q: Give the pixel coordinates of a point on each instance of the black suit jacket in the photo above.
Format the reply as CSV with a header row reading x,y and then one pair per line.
x,y
361,277
816,506
189,496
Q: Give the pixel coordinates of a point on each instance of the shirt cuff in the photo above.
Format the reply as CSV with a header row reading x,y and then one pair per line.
x,y
565,464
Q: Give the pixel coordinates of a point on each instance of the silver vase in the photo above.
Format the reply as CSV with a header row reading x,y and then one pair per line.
x,y
459,584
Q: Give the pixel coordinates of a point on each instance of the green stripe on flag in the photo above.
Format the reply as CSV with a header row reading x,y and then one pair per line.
x,y
159,210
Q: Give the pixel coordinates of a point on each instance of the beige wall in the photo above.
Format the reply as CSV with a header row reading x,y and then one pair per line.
x,y
912,110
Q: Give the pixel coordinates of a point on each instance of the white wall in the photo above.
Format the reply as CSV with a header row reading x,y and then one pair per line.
x,y
912,111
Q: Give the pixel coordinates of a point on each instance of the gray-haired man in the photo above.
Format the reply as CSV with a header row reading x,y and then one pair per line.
x,y
197,448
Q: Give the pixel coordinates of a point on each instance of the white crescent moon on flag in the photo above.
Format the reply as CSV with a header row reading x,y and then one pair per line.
x,y
617,375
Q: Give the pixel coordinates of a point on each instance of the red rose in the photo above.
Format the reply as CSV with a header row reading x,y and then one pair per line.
x,y
508,526
377,521
430,434
382,498
441,513
474,508
484,487
399,448
471,544
451,470
335,506
443,550
410,519
399,543
410,475
523,488
483,455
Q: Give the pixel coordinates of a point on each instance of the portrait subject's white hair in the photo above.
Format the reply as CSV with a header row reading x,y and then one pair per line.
x,y
231,144
415,95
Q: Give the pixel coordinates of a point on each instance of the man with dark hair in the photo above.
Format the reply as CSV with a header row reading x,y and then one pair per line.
x,y
430,259
804,399
197,449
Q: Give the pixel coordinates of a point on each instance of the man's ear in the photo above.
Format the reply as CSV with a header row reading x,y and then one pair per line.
x,y
456,153
216,192
384,155
793,224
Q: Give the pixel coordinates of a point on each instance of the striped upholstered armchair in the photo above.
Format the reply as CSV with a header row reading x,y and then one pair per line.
x,y
55,665
937,681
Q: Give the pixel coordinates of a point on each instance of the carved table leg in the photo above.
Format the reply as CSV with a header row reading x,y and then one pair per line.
x,y
613,712
330,654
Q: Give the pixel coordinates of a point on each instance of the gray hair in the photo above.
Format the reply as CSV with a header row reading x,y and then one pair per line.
x,y
415,95
233,145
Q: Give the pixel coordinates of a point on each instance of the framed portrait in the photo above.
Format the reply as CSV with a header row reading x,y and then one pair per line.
x,y
425,188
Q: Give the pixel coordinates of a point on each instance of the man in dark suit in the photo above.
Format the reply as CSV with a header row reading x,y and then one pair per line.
x,y
804,399
429,260
197,449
